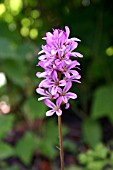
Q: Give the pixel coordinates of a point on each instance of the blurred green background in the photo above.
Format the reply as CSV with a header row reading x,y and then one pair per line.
x,y
29,140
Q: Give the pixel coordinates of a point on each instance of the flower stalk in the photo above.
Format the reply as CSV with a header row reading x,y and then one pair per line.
x,y
60,71
60,142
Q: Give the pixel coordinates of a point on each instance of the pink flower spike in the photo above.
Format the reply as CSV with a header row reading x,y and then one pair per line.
x,y
60,71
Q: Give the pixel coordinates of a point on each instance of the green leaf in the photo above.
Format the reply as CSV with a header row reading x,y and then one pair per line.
x,y
15,70
34,109
47,149
25,51
6,49
48,143
69,146
96,71
73,167
111,158
15,167
92,133
104,151
98,165
25,147
50,140
5,150
103,103
11,36
84,158
6,123
51,132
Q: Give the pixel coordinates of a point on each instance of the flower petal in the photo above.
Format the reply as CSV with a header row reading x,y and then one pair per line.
x,y
54,90
74,72
42,98
44,83
50,113
41,91
71,95
67,86
67,105
55,33
59,90
49,35
42,57
73,64
59,101
40,52
62,83
64,98
67,74
75,39
67,31
77,81
40,75
78,76
49,103
76,54
54,76
73,46
59,112
53,51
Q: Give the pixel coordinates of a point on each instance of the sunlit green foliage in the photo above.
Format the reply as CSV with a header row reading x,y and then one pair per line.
x,y
98,159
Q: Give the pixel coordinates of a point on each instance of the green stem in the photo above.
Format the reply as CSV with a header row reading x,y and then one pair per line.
x,y
60,141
